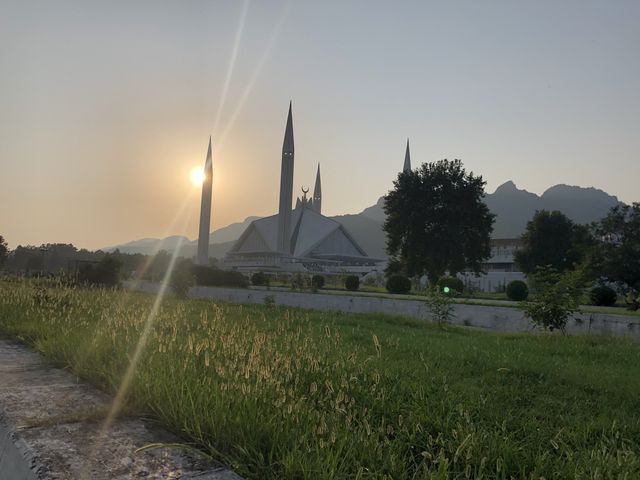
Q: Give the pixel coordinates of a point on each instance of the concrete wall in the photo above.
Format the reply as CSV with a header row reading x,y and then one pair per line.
x,y
499,319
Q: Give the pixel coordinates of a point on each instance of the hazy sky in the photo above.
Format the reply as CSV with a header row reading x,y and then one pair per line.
x,y
106,106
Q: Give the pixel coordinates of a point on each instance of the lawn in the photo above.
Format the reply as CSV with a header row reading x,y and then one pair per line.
x,y
288,393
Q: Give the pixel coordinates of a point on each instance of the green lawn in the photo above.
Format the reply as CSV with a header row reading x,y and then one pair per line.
x,y
288,393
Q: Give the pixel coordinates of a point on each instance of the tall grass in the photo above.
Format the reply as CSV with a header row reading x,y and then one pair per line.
x,y
286,393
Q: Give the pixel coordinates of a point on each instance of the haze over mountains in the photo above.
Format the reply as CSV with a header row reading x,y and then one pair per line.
x,y
513,208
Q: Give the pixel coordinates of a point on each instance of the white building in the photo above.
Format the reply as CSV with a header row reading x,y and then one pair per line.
x,y
500,268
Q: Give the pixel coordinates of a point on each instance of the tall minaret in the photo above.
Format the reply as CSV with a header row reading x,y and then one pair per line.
x,y
286,189
407,159
317,193
205,211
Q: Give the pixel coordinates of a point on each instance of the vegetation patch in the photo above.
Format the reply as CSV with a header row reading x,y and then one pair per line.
x,y
287,393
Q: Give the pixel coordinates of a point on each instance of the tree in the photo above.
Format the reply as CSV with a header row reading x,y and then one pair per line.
x,y
437,221
4,250
552,239
104,273
616,257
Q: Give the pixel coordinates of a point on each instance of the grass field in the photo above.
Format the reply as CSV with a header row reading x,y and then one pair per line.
x,y
286,393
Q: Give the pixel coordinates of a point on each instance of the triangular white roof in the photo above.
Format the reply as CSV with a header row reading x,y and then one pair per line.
x,y
312,234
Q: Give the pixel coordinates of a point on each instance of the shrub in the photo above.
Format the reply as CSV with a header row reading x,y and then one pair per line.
x,y
181,280
440,307
454,283
317,281
603,296
352,282
260,279
214,277
557,298
398,284
299,282
269,301
517,290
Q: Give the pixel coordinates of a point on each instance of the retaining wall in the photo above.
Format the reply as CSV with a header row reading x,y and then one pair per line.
x,y
500,319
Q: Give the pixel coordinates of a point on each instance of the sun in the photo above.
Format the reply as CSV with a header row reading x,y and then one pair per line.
x,y
197,176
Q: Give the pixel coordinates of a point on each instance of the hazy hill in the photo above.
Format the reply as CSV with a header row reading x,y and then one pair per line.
x,y
513,208
232,232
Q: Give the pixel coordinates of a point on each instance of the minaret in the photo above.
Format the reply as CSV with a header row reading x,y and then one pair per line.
x,y
286,189
205,211
317,193
407,159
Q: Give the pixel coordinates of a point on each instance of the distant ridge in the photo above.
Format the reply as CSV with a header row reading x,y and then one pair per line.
x,y
513,208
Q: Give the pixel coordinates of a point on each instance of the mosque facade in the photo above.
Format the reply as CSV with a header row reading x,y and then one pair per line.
x,y
299,239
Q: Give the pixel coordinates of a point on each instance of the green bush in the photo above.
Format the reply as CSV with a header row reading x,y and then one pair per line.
x,y
517,290
398,284
181,280
454,283
299,282
352,282
603,296
442,312
317,281
259,279
214,277
557,298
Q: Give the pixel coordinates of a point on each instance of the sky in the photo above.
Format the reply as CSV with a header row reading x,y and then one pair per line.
x,y
106,106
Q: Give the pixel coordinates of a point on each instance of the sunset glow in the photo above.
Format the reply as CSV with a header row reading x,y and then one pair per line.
x,y
197,176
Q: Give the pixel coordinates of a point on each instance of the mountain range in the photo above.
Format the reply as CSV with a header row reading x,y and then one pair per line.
x,y
513,208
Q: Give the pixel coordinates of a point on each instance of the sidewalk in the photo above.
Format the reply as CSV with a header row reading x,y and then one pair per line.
x,y
49,424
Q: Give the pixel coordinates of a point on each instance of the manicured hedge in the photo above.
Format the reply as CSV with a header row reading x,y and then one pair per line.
x,y
454,283
317,281
259,279
214,277
398,284
517,290
352,283
603,296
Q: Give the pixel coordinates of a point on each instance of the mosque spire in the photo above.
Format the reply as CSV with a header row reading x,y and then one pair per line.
x,y
407,159
317,193
202,257
286,188
287,145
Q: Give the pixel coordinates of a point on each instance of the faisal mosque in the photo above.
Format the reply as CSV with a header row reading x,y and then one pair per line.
x,y
297,239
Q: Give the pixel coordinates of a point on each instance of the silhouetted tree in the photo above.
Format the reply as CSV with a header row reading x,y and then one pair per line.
x,y
105,273
552,239
4,250
437,221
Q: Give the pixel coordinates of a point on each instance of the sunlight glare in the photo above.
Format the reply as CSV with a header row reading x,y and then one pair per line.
x,y
197,176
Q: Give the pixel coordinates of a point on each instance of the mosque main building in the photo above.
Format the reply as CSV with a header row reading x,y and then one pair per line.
x,y
298,239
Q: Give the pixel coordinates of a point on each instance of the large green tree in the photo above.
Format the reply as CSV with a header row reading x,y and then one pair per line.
x,y
437,221
552,239
616,257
